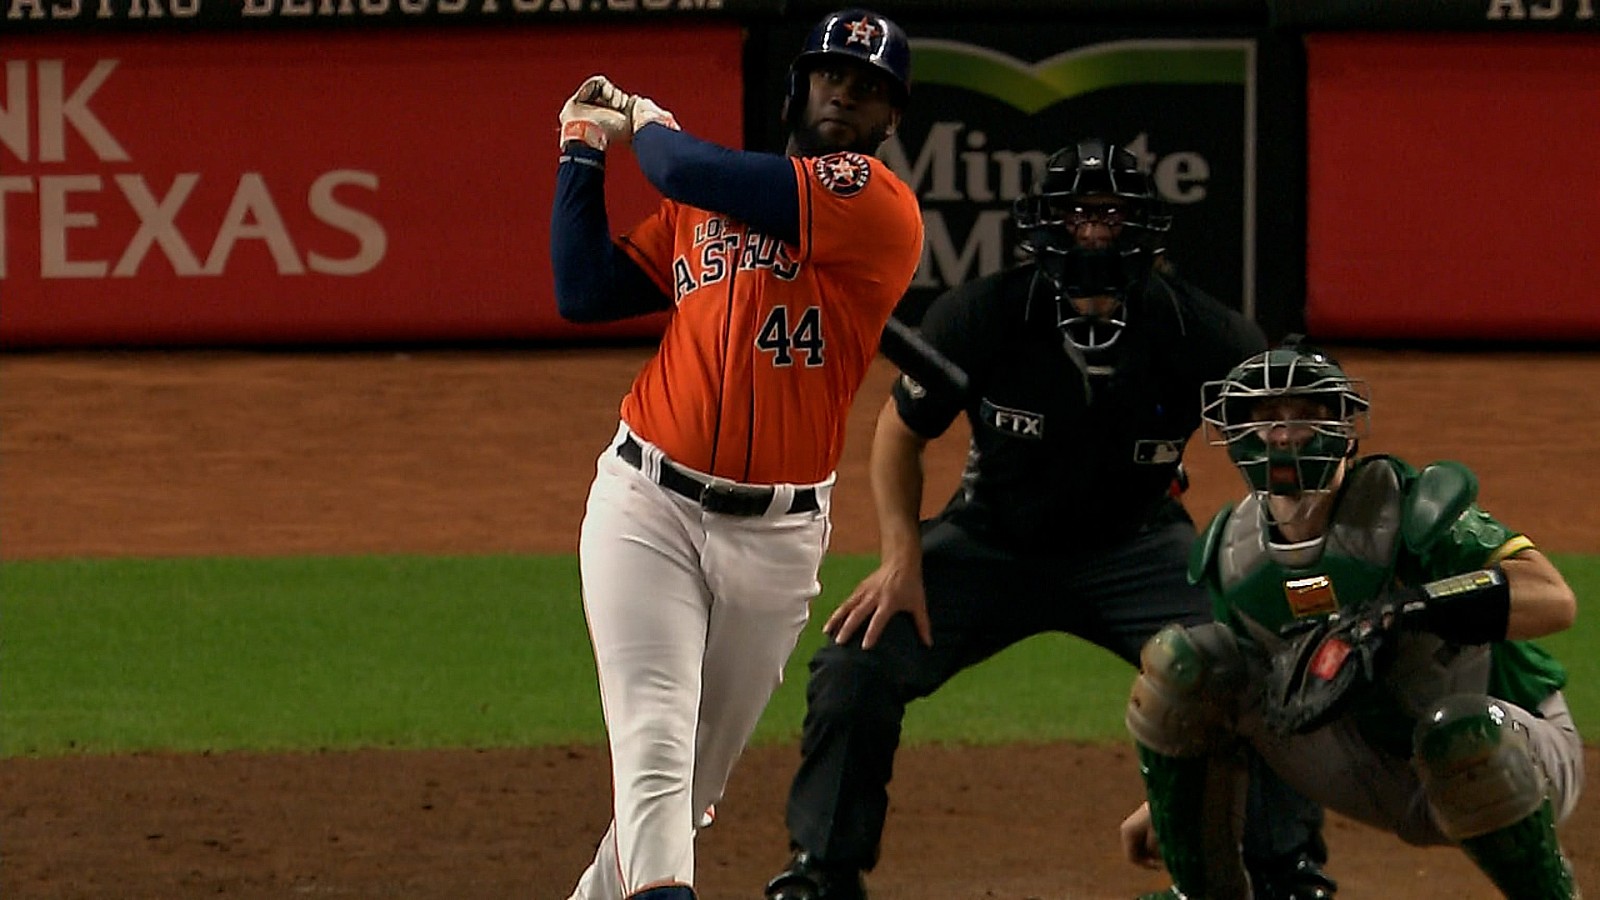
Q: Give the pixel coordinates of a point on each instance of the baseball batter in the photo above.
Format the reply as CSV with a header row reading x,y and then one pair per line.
x,y
708,516
1371,645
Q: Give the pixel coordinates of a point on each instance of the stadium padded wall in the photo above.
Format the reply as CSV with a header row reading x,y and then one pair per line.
x,y
363,171
1452,190
313,186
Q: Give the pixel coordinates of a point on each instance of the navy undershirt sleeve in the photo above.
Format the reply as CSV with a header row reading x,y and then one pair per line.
x,y
757,189
595,280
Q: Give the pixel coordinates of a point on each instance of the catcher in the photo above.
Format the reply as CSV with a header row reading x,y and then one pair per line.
x,y
1371,644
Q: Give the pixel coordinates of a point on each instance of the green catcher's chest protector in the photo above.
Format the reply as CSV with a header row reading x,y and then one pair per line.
x,y
1386,518
1264,588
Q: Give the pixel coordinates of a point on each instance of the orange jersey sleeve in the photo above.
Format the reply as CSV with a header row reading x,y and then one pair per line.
x,y
769,341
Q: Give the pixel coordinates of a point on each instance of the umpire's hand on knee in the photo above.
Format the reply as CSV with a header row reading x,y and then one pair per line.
x,y
891,589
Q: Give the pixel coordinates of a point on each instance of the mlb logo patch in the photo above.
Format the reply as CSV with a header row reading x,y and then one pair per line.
x,y
1312,596
844,174
1157,453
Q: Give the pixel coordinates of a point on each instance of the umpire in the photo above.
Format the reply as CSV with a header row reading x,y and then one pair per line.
x,y
1085,366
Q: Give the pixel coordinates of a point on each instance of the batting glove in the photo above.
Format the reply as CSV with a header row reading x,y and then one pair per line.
x,y
642,111
597,90
594,116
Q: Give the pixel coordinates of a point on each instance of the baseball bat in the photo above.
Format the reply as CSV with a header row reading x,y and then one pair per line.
x,y
908,350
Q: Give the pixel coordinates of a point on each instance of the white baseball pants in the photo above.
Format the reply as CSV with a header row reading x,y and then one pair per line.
x,y
692,616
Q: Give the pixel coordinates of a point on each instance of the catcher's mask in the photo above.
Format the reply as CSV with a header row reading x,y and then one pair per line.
x,y
1092,181
1288,418
858,35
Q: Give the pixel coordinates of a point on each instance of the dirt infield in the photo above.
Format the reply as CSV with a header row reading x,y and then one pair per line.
x,y
456,452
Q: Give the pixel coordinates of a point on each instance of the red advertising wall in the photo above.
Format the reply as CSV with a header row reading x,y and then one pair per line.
x,y
1453,187
356,186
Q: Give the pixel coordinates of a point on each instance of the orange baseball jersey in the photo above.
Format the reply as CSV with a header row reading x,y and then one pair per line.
x,y
769,342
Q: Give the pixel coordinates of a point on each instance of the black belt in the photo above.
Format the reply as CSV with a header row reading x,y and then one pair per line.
x,y
727,499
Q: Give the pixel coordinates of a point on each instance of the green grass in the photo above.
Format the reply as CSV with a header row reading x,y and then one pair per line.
x,y
112,656
225,654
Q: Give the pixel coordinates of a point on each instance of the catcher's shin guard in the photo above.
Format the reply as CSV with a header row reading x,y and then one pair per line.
x,y
1197,811
1488,793
1524,859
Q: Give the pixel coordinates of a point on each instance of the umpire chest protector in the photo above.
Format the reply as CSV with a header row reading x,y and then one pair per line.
x,y
1115,424
1054,461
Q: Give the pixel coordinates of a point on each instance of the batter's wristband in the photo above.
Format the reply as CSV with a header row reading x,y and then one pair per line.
x,y
1474,608
583,130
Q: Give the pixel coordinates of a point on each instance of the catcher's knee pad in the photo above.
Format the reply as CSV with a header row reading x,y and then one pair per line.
x,y
1188,682
1477,769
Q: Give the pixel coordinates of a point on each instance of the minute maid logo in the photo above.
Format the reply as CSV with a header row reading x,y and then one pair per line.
x,y
1031,87
975,158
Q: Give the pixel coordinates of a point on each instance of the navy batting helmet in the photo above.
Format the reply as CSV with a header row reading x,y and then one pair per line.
x,y
858,34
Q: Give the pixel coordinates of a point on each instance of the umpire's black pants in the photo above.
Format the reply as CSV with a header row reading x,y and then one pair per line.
x,y
980,601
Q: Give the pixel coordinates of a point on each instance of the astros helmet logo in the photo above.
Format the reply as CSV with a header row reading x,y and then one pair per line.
x,y
862,31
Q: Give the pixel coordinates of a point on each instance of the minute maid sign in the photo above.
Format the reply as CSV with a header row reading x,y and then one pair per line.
x,y
983,119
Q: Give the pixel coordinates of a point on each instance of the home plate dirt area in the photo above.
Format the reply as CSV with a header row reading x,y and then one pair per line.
x,y
163,454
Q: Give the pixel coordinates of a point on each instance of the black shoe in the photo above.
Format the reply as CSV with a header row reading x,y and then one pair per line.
x,y
808,879
1301,880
